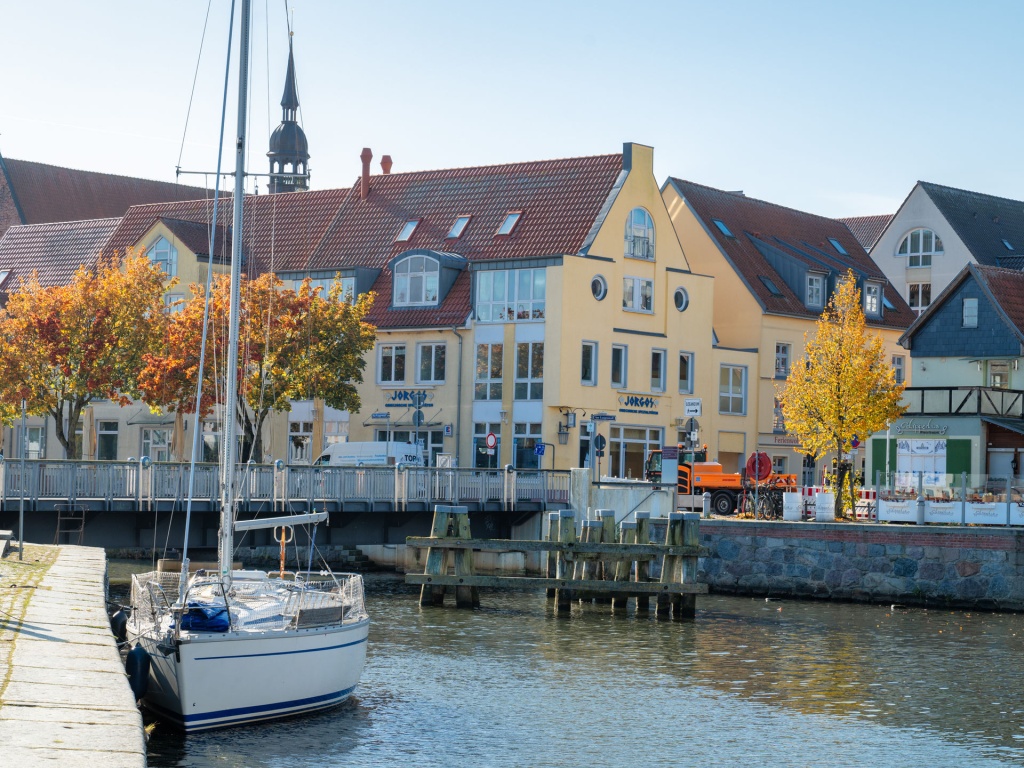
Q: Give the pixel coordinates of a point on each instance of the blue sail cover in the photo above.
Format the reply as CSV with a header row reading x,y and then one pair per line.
x,y
202,617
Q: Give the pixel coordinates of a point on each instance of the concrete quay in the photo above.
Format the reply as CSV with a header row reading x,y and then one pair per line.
x,y
64,695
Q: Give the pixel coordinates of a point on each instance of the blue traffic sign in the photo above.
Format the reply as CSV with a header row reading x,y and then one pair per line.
x,y
538,449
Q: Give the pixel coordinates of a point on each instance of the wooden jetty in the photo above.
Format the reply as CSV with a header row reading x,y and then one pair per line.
x,y
607,564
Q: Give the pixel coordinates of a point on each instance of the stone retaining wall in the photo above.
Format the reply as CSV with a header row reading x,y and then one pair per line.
x,y
949,566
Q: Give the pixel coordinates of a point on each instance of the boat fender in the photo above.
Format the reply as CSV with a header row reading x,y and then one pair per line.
x,y
119,625
137,667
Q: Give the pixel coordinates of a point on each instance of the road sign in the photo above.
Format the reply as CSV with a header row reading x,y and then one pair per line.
x,y
603,417
691,425
600,442
855,442
538,449
692,407
670,452
381,415
418,418
491,440
599,453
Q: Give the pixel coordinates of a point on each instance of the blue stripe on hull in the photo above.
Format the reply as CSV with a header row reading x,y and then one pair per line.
x,y
241,715
280,653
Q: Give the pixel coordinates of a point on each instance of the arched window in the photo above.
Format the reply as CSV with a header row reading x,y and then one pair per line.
x,y
639,234
416,281
919,246
165,255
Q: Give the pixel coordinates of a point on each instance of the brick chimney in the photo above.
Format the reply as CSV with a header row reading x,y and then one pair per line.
x,y
364,183
385,164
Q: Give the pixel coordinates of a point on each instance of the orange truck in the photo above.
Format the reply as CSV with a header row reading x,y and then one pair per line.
x,y
697,475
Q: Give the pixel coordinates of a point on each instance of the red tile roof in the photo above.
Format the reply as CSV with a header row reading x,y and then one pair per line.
x,y
867,229
53,251
760,227
195,235
1007,287
49,193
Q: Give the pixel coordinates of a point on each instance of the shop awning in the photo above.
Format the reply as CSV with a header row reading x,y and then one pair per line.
x,y
1014,425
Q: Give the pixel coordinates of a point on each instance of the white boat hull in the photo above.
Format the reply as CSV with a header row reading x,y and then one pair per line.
x,y
215,680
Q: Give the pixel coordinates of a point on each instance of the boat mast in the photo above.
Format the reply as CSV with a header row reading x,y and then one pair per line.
x,y
226,544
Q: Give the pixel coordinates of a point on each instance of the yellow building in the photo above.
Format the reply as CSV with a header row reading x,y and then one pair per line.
x,y
774,270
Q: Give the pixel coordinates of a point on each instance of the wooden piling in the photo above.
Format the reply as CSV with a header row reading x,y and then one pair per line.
x,y
608,536
563,568
671,566
432,594
691,538
643,536
552,557
627,535
465,596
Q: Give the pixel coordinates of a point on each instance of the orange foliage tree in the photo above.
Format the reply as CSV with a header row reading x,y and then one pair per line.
x,y
294,345
63,347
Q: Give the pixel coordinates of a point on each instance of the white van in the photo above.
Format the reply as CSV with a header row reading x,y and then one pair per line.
x,y
370,454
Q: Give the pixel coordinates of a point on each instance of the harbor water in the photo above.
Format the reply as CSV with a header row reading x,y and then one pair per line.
x,y
750,682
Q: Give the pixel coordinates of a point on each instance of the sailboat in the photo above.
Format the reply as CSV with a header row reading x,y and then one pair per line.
x,y
228,647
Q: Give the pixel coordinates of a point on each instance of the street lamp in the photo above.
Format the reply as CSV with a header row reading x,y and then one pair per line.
x,y
21,506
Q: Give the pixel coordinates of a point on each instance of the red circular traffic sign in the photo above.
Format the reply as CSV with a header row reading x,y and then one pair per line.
x,y
759,465
491,440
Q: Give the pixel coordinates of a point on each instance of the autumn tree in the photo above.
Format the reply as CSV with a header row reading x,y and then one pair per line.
x,y
294,345
842,387
64,347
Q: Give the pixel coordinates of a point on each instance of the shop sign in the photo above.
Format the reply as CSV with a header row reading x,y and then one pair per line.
x,y
638,404
405,398
920,427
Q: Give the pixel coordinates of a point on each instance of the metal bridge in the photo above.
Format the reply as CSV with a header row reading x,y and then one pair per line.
x,y
111,486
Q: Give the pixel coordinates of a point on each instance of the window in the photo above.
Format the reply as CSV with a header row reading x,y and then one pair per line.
x,y
300,442
919,246
919,296
36,442
722,228
211,442
815,291
3,275
588,366
619,366
347,286
156,443
782,358
772,288
416,281
106,440
407,229
970,313
164,255
780,465
639,235
637,294
685,373
778,419
484,457
899,367
513,295
732,390
838,246
458,227
872,296
431,363
681,299
628,448
511,219
657,370
599,287
525,438
488,372
529,371
1006,242
392,363
999,374
174,303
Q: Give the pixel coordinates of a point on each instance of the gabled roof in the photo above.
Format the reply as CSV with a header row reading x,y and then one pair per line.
x,y
760,229
559,201
195,235
48,193
867,229
53,251
982,222
1004,287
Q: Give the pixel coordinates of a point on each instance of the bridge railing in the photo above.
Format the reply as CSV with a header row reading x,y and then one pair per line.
x,y
110,483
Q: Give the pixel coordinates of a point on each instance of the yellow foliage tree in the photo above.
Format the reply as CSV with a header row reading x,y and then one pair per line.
x,y
843,386
62,347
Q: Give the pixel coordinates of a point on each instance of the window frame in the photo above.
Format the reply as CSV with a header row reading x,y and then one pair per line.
x,y
171,270
591,379
729,393
872,299
919,307
491,384
784,353
923,256
434,347
394,356
406,232
970,318
662,369
529,385
687,388
636,291
623,352
511,307
899,367
456,231
639,236
815,283
508,224
428,278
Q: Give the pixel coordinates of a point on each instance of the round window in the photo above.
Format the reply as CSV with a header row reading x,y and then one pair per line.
x,y
599,287
681,299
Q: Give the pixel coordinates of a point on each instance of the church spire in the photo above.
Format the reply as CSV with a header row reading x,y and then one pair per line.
x,y
289,152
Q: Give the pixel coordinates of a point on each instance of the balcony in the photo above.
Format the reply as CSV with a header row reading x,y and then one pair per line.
x,y
964,401
639,247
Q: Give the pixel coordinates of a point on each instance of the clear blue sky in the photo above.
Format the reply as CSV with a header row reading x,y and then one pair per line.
x,y
831,107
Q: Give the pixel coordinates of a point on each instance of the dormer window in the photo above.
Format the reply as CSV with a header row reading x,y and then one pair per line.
x,y
416,280
458,227
919,246
815,291
872,299
639,235
407,229
164,255
511,219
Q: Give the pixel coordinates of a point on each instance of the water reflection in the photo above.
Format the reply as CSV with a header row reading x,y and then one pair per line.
x,y
774,683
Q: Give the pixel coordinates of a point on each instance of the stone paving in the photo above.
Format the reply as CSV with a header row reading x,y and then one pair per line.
x,y
64,696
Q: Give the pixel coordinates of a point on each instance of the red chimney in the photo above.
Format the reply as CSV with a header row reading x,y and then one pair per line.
x,y
364,184
385,164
